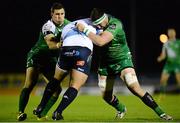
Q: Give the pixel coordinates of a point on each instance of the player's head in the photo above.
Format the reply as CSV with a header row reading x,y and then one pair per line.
x,y
57,13
171,32
99,18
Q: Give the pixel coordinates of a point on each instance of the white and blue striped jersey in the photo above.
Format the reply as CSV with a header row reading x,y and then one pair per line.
x,y
73,37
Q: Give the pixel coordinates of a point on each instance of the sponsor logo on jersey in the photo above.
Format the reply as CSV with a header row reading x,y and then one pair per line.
x,y
76,53
72,53
112,26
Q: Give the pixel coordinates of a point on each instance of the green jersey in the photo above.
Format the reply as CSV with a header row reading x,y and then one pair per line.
x,y
117,49
40,55
172,50
115,56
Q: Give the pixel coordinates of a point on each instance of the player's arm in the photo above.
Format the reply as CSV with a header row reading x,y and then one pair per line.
x,y
162,56
51,41
100,40
48,30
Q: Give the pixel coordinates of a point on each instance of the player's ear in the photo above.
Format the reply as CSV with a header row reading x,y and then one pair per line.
x,y
51,13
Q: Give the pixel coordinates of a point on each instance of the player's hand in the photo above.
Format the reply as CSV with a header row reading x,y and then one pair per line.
x,y
59,44
86,29
80,26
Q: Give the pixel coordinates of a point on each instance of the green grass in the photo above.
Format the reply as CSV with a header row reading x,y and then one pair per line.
x,y
87,108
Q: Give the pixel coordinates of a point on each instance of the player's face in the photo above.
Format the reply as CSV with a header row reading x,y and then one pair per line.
x,y
171,33
58,16
99,26
103,24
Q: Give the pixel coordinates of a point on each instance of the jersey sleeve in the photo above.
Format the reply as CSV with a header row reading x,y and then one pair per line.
x,y
115,27
48,28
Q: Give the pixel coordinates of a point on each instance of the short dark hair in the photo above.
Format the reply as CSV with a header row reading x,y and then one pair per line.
x,y
96,13
56,6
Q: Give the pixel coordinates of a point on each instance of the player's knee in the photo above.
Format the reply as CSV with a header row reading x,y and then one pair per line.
x,y
102,84
130,78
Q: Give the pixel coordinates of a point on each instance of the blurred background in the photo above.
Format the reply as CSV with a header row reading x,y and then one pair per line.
x,y
144,21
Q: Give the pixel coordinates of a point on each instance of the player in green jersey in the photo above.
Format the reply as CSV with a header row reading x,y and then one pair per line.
x,y
115,59
42,58
170,52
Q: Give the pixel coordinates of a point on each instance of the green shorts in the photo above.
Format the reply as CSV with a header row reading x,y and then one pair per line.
x,y
113,68
44,62
170,68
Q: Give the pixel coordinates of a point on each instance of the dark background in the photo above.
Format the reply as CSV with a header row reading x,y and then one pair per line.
x,y
144,21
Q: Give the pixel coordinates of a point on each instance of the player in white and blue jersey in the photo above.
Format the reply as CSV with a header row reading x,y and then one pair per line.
x,y
74,58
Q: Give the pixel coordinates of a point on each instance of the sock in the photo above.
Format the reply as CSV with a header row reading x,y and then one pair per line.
x,y
51,87
158,111
23,100
67,99
149,101
51,102
118,106
48,106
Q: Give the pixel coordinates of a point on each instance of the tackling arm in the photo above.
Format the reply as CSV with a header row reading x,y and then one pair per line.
x,y
100,40
50,40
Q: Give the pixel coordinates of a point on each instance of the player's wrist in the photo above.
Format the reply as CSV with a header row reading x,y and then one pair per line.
x,y
86,31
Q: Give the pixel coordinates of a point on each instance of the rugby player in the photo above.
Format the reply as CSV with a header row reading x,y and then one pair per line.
x,y
115,59
42,58
74,58
170,52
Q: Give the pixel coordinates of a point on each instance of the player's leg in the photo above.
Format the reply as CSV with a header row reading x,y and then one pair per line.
x,y
79,64
177,75
48,74
129,76
78,79
49,104
163,81
167,70
51,88
30,81
42,113
106,85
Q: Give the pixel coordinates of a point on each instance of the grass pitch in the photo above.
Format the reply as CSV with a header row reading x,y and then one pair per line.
x,y
86,108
